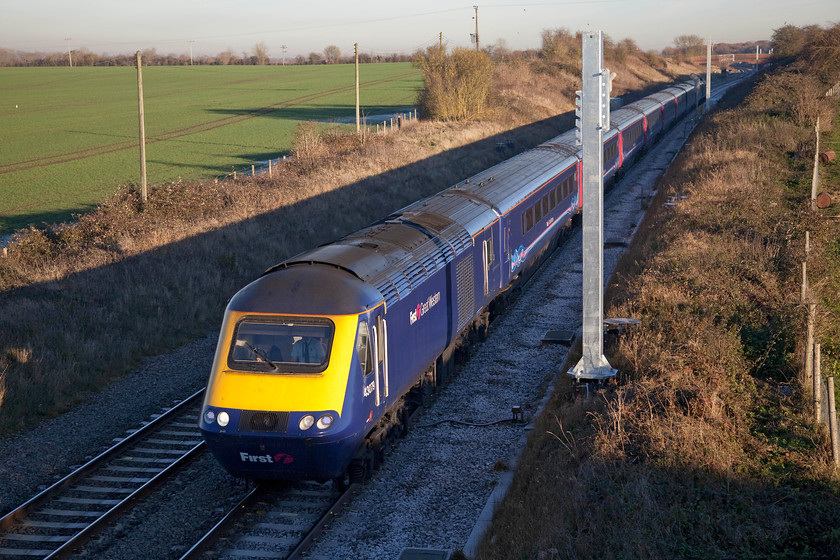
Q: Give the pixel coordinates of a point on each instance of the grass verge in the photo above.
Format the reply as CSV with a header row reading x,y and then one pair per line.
x,y
706,447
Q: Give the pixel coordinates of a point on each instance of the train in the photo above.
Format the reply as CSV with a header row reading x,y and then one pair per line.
x,y
319,359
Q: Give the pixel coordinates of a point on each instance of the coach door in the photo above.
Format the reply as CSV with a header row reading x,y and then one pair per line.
x,y
490,266
380,360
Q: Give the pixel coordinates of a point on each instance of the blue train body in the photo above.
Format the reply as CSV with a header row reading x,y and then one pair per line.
x,y
389,304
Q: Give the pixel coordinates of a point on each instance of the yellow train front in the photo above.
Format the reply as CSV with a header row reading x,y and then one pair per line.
x,y
282,401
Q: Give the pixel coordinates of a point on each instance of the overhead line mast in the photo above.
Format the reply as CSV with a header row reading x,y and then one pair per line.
x,y
594,113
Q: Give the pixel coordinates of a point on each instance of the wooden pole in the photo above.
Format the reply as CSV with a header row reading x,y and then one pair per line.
x,y
832,423
817,385
143,192
809,347
476,29
804,293
356,49
815,180
269,167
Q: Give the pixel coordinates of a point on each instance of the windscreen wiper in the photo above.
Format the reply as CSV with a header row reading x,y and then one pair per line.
x,y
261,355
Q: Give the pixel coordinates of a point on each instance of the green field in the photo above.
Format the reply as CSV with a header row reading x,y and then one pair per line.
x,y
69,137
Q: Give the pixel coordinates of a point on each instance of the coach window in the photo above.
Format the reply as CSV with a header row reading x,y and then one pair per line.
x,y
553,198
529,219
363,348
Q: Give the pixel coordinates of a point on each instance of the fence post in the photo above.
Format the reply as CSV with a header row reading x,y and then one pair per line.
x,y
269,167
817,385
832,423
809,347
815,179
804,293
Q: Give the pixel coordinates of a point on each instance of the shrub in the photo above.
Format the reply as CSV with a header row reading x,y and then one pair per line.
x,y
457,85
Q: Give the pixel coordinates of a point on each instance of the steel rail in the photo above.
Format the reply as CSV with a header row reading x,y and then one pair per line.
x,y
24,511
306,543
211,536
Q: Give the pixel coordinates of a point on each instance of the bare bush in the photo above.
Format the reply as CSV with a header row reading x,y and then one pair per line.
x,y
793,94
457,86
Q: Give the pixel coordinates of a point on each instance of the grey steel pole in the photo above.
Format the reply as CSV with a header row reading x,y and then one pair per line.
x,y
594,121
708,69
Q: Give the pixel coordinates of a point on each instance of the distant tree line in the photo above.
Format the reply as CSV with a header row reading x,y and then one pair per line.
x,y
257,56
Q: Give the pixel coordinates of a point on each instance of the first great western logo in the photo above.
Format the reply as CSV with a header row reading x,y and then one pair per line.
x,y
423,307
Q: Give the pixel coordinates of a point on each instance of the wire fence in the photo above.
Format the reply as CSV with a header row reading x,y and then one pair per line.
x,y
370,124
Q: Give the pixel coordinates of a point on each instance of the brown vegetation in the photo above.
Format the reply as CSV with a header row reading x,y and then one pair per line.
x,y
457,85
706,447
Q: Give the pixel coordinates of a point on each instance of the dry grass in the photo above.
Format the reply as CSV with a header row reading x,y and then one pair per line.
x,y
705,448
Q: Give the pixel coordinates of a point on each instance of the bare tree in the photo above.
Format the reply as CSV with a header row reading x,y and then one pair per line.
x,y
689,45
260,51
332,54
226,57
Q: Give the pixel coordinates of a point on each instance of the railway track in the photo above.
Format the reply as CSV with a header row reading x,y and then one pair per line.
x,y
272,521
65,516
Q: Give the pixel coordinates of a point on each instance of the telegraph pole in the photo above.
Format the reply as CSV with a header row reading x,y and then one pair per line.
x,y
440,41
594,101
356,49
143,194
476,28
191,44
69,56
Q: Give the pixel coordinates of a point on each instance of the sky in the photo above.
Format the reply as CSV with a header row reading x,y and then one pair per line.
x,y
382,27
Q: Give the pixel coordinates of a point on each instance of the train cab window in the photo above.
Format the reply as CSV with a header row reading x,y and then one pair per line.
x,y
363,351
281,345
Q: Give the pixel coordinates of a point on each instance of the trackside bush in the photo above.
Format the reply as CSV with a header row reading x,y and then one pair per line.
x,y
457,86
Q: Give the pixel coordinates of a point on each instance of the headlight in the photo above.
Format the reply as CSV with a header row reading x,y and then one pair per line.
x,y
209,416
306,422
223,419
325,421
